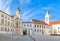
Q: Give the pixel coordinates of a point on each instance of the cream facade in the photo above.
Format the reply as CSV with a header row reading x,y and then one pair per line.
x,y
10,24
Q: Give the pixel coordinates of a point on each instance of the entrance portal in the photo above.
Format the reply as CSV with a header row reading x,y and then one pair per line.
x,y
24,31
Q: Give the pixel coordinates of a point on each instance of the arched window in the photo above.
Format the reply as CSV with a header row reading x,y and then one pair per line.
x,y
5,29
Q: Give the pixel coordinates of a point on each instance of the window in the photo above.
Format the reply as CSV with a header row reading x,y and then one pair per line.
x,y
17,17
8,29
24,25
5,29
1,28
40,26
27,25
58,27
40,30
35,30
13,25
11,29
16,24
35,25
2,15
30,25
58,31
8,18
44,26
8,23
5,16
2,21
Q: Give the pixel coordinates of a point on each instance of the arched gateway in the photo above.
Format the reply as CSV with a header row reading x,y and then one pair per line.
x,y
27,31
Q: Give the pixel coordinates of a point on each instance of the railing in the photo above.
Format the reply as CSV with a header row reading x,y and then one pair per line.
x,y
32,38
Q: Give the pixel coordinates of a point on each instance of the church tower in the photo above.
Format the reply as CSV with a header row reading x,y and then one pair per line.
x,y
47,17
18,22
18,14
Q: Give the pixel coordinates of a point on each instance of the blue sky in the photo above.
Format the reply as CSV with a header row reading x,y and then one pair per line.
x,y
32,9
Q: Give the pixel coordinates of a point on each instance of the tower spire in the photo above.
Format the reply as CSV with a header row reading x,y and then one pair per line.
x,y
18,9
48,12
47,17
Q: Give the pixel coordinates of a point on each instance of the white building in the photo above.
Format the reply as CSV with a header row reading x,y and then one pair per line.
x,y
29,27
41,27
55,27
36,27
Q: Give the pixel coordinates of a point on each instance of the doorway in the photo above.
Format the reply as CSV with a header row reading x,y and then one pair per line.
x,y
24,31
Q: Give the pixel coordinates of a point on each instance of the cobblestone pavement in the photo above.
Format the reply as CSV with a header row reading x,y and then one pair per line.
x,y
28,38
46,38
15,38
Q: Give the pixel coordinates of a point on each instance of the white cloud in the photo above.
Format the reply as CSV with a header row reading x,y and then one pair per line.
x,y
5,5
23,2
1,4
34,13
27,12
7,10
48,8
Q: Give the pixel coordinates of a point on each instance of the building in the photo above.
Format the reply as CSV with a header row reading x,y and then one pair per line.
x,y
46,27
55,27
36,27
10,24
14,25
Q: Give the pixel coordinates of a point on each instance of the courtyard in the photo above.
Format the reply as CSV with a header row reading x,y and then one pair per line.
x,y
29,38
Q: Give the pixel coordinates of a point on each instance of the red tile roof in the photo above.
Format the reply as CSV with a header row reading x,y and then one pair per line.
x,y
39,22
55,22
12,16
28,22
